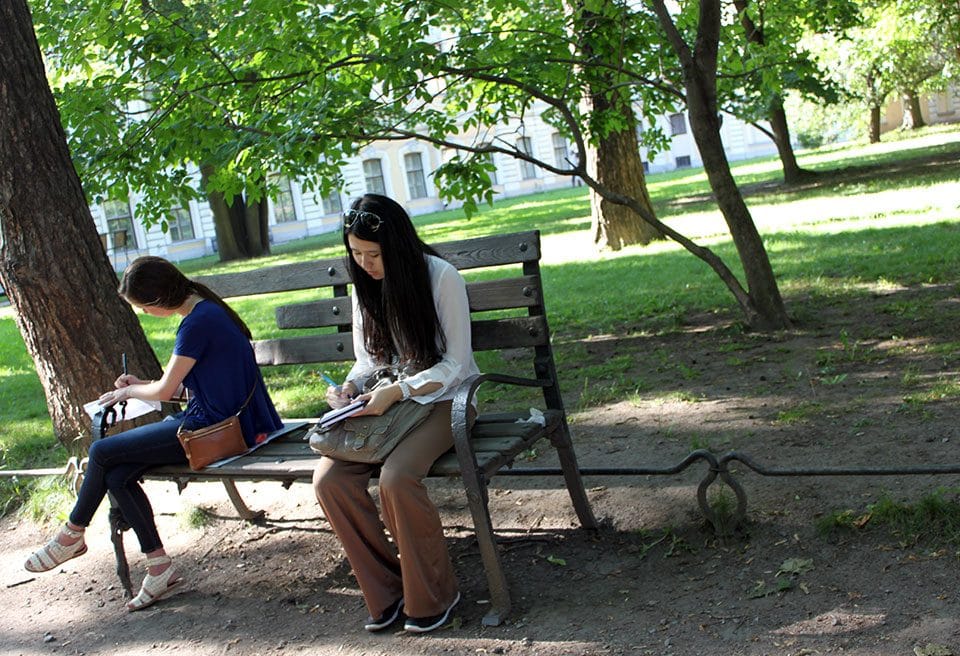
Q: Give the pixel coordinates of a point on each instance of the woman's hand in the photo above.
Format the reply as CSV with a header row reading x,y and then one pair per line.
x,y
122,391
114,397
126,380
380,400
341,395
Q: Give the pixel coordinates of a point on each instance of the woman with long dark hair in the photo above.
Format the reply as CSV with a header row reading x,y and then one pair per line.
x,y
214,362
410,313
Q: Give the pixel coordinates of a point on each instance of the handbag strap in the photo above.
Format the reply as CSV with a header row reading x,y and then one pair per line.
x,y
236,414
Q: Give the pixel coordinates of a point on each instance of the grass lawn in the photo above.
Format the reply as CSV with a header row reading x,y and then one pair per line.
x,y
886,214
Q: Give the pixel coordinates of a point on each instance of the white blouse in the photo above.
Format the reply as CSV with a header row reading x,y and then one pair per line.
x,y
453,310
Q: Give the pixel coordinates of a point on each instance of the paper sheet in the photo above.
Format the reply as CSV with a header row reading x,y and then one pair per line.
x,y
135,408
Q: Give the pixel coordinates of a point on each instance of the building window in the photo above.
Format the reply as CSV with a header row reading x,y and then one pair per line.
x,y
646,167
120,225
488,158
373,172
527,170
413,162
678,124
331,203
683,162
283,209
179,224
560,152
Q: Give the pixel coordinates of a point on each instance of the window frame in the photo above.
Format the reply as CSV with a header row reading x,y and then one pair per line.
x,y
181,216
374,184
117,222
528,170
416,179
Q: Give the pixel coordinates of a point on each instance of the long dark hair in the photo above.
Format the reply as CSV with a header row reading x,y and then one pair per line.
x,y
399,315
153,281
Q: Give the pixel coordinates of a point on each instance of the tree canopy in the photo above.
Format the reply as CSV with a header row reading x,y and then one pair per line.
x,y
248,87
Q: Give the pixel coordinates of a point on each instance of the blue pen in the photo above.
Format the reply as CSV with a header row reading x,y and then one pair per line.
x,y
332,382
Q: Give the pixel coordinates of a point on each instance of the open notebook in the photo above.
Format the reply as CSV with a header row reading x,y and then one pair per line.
x,y
339,414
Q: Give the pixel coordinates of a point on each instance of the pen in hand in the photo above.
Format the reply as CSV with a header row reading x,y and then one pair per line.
x,y
332,382
123,363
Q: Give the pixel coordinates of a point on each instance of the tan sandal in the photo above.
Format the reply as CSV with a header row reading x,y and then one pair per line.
x,y
53,553
155,588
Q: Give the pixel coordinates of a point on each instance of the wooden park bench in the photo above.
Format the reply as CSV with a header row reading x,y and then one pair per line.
x,y
508,314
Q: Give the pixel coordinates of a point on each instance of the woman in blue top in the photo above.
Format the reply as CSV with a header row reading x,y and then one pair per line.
x,y
212,360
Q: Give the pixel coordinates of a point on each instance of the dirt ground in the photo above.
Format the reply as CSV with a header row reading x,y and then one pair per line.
x,y
855,384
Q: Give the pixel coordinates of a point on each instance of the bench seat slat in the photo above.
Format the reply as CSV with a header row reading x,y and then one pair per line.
x,y
294,468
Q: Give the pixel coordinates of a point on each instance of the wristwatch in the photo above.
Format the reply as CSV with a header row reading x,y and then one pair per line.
x,y
404,389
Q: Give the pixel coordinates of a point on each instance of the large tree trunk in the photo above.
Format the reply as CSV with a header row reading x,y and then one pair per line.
x,y
764,308
52,264
615,163
912,114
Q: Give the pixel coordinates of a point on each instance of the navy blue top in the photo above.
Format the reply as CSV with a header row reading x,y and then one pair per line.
x,y
224,374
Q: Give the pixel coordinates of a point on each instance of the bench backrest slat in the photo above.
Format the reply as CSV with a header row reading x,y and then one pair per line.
x,y
506,293
513,332
464,254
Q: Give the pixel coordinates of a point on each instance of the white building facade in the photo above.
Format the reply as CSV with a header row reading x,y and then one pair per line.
x,y
403,171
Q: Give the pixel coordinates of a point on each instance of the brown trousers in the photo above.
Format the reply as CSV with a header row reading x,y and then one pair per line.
x,y
418,568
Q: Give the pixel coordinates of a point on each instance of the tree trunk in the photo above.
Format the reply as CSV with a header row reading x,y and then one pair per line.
x,y
231,234
256,217
792,173
52,265
874,124
768,310
763,306
912,114
241,228
615,163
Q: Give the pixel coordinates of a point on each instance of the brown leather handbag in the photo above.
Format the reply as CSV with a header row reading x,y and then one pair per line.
x,y
215,442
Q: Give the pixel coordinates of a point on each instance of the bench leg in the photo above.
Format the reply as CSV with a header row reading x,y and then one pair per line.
x,y
571,474
238,503
117,526
489,552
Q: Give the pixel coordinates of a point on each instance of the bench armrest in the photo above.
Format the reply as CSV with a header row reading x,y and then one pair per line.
x,y
463,397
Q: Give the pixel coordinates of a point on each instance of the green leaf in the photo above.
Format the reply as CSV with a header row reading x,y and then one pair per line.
x,y
795,566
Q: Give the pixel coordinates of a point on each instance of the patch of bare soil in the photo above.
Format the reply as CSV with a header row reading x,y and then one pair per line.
x,y
854,385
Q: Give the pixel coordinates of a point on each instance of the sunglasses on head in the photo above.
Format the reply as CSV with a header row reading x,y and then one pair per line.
x,y
370,220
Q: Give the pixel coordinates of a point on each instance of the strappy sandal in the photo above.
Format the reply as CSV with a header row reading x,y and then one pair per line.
x,y
53,553
157,587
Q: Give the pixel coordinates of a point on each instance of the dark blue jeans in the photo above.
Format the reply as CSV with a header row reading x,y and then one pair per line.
x,y
116,464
